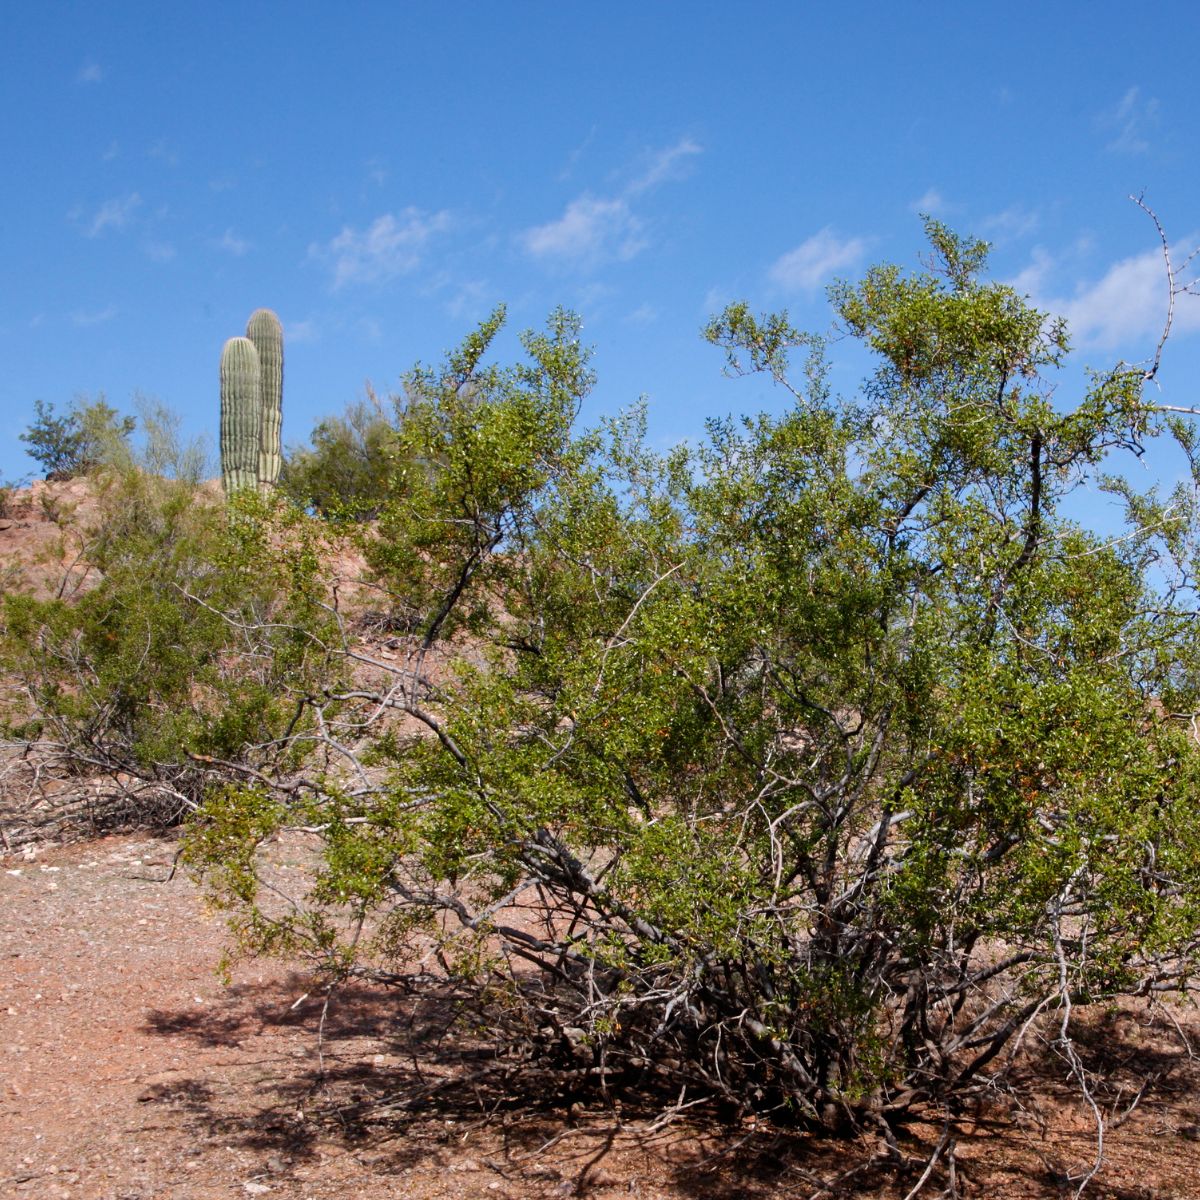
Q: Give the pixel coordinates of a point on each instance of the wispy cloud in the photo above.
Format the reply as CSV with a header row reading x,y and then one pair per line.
x,y
113,214
574,157
1010,224
595,228
159,251
644,314
591,228
231,244
377,171
98,317
1127,303
1031,280
815,260
90,72
664,165
1131,122
391,245
470,298
933,203
111,151
164,152
301,331
716,300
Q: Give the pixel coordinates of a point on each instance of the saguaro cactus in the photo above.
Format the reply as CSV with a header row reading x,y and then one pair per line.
x,y
264,330
241,415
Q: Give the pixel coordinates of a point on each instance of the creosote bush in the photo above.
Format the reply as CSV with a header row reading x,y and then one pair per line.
x,y
815,769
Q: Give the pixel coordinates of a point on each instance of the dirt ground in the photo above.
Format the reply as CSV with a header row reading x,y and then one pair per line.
x,y
132,1072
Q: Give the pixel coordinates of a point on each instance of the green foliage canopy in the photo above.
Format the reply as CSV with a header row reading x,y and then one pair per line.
x,y
812,763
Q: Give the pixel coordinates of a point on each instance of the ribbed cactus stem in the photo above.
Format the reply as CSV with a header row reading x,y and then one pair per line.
x,y
241,415
264,330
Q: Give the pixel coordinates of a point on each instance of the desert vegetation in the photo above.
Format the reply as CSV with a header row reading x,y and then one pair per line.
x,y
819,772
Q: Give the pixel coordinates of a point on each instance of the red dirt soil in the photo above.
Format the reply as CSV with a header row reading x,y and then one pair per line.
x,y
132,1072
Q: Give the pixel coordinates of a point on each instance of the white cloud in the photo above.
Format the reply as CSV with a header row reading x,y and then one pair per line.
x,y
111,151
90,72
232,244
1012,223
590,229
1122,311
1127,303
1131,122
164,152
469,299
591,296
377,172
113,214
716,300
933,203
812,262
301,331
84,319
1031,280
665,165
159,251
644,314
576,154
595,229
390,246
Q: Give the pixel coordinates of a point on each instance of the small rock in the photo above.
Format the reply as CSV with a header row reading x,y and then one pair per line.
x,y
255,1189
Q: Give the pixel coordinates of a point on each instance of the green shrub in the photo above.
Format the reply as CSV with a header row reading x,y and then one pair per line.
x,y
803,769
192,656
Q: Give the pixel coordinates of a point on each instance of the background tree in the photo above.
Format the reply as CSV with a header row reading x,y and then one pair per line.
x,y
89,434
346,473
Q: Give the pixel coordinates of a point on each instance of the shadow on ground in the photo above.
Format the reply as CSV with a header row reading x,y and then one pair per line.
x,y
395,1079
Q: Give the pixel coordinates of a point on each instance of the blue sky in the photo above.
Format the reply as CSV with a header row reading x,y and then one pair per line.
x,y
383,174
